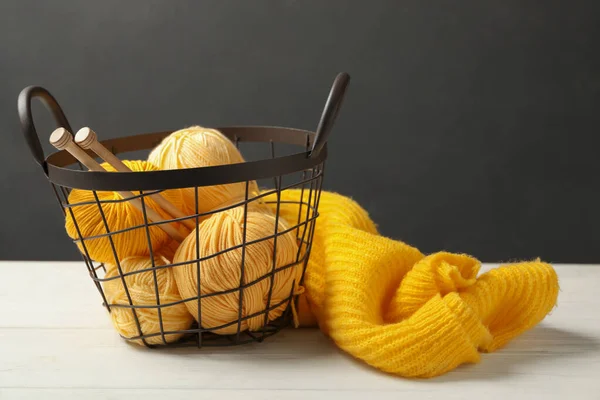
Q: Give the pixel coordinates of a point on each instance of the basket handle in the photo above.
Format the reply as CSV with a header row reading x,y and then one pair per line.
x,y
27,124
330,112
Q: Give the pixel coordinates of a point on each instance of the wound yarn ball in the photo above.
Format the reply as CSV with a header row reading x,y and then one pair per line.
x,y
169,249
141,287
222,272
196,147
119,215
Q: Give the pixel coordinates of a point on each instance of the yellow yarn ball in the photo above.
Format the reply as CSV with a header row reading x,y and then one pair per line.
x,y
196,147
169,249
141,288
119,216
222,231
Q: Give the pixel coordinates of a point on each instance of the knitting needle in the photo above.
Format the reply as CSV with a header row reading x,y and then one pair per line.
x,y
63,140
86,138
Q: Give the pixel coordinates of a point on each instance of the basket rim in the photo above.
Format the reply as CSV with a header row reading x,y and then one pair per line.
x,y
190,177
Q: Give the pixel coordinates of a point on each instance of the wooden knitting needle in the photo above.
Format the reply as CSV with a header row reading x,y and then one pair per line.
x,y
63,140
86,138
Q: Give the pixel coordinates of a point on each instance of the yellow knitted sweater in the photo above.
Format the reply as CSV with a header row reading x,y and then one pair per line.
x,y
384,302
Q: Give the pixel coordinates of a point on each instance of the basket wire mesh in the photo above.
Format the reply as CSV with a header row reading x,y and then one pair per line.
x,y
308,181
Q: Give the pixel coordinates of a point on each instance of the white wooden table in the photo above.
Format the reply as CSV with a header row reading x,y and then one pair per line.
x,y
56,342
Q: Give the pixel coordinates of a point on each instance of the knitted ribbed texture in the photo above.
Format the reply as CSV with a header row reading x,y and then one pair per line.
x,y
412,315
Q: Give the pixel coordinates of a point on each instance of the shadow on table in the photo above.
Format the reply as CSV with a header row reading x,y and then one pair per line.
x,y
289,344
542,345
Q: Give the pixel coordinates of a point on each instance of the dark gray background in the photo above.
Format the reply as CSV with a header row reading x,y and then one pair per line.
x,y
469,126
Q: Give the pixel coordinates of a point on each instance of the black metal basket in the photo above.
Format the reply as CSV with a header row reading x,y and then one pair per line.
x,y
302,169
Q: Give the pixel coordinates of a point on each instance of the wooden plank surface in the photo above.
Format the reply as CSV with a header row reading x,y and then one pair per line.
x,y
56,342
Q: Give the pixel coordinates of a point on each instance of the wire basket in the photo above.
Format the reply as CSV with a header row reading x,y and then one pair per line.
x,y
303,170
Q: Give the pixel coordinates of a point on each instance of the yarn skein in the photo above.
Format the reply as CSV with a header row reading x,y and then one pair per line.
x,y
196,147
119,216
222,272
141,287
